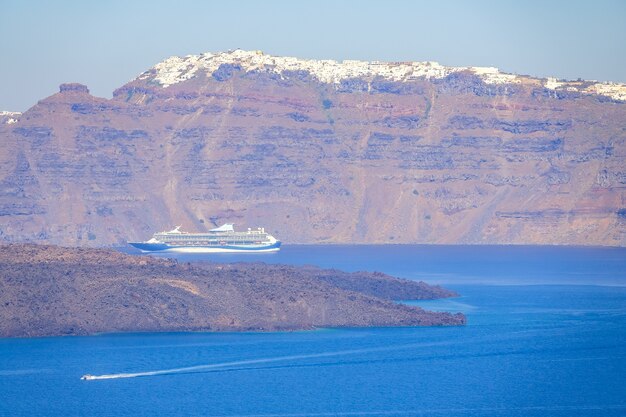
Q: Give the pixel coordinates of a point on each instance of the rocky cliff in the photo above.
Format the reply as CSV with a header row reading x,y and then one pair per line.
x,y
320,152
49,290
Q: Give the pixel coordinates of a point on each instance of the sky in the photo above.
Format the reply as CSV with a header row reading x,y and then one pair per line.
x,y
105,44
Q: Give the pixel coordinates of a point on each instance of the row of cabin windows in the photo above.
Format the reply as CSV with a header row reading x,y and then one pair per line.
x,y
209,237
215,242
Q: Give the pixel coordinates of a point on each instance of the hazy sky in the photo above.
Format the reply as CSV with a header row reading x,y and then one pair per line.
x,y
104,44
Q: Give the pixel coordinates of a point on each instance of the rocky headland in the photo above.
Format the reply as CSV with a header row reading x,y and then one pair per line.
x,y
50,290
320,152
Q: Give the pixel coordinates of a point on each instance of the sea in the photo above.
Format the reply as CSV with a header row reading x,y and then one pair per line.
x,y
546,336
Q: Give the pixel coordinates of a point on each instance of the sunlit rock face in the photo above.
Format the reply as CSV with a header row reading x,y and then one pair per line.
x,y
320,152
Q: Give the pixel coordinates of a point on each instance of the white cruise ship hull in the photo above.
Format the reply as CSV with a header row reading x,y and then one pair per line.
x,y
163,247
219,240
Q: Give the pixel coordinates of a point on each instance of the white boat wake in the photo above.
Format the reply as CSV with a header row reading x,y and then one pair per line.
x,y
221,365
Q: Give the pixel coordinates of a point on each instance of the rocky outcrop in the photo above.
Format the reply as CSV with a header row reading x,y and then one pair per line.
x,y
321,152
48,290
73,87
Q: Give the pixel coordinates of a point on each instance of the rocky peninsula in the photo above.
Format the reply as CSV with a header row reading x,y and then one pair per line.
x,y
51,290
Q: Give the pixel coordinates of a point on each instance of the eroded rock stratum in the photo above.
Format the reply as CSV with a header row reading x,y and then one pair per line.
x,y
320,152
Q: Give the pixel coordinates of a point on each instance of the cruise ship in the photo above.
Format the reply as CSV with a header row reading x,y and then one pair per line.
x,y
220,239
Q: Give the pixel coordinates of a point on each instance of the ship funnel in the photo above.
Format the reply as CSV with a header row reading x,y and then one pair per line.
x,y
227,227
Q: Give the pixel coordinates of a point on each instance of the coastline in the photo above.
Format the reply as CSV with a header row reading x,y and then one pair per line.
x,y
50,290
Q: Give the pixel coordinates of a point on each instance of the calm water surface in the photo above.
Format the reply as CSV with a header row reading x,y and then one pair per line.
x,y
546,337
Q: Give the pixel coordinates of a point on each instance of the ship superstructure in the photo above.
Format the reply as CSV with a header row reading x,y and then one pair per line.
x,y
219,239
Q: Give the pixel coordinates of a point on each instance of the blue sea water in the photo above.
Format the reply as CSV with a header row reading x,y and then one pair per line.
x,y
546,336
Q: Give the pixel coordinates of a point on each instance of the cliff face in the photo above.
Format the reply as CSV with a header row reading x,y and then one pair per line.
x,y
319,151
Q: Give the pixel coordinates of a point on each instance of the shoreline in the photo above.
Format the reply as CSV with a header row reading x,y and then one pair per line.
x,y
50,291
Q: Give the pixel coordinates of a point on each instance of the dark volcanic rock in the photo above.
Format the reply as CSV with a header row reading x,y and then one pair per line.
x,y
49,290
73,87
380,285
